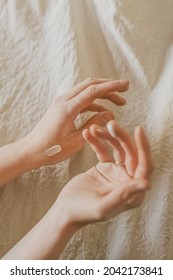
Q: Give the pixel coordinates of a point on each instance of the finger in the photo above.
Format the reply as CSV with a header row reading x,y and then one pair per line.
x,y
128,145
115,98
145,164
119,197
90,94
83,85
100,119
135,201
94,107
103,134
98,147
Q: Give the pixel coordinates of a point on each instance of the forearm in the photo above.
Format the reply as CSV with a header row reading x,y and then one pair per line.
x,y
46,240
14,160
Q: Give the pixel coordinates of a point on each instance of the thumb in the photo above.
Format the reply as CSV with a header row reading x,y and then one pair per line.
x,y
100,119
125,193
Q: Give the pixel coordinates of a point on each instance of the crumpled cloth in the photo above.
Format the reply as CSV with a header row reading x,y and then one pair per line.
x,y
46,47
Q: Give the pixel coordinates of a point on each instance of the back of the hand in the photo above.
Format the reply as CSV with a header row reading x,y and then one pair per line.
x,y
57,125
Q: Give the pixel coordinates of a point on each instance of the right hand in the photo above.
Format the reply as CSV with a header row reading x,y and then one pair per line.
x,y
57,126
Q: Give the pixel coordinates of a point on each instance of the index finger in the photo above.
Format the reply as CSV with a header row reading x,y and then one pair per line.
x,y
83,85
86,97
145,164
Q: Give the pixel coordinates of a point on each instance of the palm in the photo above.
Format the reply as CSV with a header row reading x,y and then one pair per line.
x,y
86,192
107,189
114,174
117,176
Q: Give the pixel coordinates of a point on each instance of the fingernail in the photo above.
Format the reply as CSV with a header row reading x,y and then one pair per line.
x,y
99,130
85,130
111,130
123,81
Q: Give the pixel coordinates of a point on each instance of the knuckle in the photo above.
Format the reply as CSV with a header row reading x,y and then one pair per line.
x,y
90,80
72,105
92,90
113,84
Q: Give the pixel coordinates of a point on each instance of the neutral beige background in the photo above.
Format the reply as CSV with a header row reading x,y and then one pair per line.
x,y
46,47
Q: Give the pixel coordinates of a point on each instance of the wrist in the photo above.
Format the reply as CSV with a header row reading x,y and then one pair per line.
x,y
25,159
35,151
65,222
47,238
15,160
59,229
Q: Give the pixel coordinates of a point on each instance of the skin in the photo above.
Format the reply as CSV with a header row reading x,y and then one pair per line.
x,y
57,127
98,194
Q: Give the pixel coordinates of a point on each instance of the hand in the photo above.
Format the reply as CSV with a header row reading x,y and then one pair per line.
x,y
117,183
57,125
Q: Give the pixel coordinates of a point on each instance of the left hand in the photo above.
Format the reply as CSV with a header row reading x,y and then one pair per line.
x,y
110,187
114,185
57,125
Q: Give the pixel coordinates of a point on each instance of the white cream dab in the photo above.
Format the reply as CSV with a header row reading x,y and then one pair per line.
x,y
53,150
111,131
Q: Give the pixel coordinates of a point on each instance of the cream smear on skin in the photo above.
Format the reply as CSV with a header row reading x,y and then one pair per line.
x,y
53,150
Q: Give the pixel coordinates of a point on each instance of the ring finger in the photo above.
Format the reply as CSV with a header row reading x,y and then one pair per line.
x,y
127,144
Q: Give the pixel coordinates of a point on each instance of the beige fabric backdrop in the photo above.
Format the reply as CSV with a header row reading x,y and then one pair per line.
x,y
46,47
